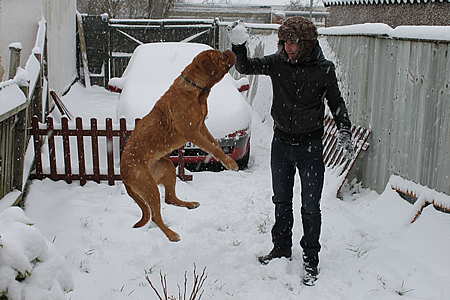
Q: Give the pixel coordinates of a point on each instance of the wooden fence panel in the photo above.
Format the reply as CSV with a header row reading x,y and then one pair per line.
x,y
79,134
333,157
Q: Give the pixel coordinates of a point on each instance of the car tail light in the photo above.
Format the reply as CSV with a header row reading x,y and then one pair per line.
x,y
114,89
244,88
238,133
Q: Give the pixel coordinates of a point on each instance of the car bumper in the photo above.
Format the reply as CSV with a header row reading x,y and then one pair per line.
x,y
235,146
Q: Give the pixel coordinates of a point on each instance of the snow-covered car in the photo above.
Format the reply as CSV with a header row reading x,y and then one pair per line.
x,y
152,70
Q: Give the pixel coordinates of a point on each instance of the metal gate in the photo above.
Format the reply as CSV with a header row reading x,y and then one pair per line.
x,y
111,42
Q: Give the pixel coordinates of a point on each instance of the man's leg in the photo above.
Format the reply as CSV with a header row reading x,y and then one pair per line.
x,y
311,169
283,173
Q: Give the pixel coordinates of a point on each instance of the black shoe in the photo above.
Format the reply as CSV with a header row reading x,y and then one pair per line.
x,y
275,254
310,276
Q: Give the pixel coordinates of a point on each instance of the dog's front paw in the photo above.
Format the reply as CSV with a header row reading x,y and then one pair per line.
x,y
232,165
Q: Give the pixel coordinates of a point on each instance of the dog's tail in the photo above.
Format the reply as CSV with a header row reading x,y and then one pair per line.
x,y
145,214
143,206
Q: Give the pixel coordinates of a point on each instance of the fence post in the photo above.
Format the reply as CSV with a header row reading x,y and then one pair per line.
x,y
20,140
161,32
105,49
83,50
14,60
18,127
216,33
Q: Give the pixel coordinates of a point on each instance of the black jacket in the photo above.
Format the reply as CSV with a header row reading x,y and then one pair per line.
x,y
299,92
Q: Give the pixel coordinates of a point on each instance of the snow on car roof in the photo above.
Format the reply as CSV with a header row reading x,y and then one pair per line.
x,y
152,70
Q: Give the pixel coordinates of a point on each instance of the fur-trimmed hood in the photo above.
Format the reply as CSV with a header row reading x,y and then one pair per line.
x,y
301,30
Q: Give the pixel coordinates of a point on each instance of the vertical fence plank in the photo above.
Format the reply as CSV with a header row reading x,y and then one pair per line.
x,y
51,148
123,134
9,151
110,151
181,173
80,142
19,146
6,178
327,141
3,173
95,155
66,148
37,148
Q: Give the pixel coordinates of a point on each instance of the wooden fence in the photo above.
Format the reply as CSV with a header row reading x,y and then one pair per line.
x,y
89,166
116,138
14,122
333,158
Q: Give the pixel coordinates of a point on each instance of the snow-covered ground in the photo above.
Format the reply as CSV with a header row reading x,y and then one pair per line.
x,y
370,250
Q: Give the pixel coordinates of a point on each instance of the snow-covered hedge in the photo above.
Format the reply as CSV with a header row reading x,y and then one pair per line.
x,y
30,266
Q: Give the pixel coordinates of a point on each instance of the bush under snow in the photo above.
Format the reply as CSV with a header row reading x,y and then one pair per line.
x,y
30,266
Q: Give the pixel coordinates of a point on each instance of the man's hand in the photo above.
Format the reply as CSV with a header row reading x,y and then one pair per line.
x,y
345,143
238,32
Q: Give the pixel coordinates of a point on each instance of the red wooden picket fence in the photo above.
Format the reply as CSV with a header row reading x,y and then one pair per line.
x,y
48,131
332,154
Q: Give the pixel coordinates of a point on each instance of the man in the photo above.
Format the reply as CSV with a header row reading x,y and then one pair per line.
x,y
301,81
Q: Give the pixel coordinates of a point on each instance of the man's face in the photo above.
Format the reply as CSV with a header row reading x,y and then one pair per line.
x,y
291,48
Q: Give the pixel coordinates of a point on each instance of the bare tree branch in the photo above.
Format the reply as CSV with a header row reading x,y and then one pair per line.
x,y
199,280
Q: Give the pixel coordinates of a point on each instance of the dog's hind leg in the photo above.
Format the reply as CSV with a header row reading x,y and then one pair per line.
x,y
146,194
164,173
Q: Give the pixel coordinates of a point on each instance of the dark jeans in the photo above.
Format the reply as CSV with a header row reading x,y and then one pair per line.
x,y
308,159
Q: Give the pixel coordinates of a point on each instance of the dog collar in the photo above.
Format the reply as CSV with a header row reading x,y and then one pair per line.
x,y
203,89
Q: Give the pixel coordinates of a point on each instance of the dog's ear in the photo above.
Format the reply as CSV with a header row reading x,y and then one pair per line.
x,y
208,66
226,56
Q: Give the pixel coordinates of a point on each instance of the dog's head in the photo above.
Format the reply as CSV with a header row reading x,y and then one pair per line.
x,y
213,64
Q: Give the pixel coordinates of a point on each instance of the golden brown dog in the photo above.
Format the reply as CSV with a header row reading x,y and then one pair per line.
x,y
177,117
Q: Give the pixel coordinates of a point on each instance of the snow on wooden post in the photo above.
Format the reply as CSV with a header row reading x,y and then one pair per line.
x,y
14,60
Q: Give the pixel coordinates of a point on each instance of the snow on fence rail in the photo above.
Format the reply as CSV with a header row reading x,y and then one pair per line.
x,y
422,195
99,163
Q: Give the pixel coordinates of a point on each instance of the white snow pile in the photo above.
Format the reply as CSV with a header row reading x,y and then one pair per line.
x,y
239,33
30,266
10,96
